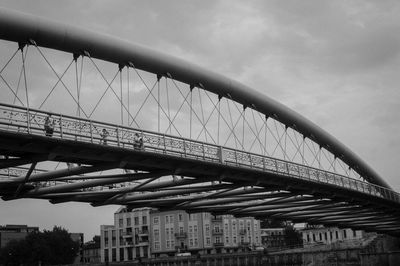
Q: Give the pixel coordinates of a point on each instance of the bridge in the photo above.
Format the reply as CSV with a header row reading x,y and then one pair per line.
x,y
90,118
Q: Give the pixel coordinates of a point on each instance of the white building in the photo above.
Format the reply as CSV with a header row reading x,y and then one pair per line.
x,y
328,235
128,238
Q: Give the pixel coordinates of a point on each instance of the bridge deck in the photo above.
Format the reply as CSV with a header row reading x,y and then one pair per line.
x,y
83,142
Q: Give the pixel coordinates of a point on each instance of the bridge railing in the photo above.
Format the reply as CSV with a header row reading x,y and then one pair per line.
x,y
19,119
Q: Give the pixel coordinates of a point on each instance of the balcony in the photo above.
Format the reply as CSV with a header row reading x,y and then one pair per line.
x,y
127,235
218,232
217,218
142,244
181,235
242,231
128,243
143,233
219,244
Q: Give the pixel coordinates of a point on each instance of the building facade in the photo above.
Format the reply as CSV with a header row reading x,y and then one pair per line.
x,y
128,238
145,233
201,233
14,232
328,235
273,237
91,251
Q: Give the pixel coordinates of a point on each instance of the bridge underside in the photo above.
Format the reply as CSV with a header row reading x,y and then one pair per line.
x,y
192,185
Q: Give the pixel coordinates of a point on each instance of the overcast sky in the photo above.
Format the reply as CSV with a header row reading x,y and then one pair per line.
x,y
335,62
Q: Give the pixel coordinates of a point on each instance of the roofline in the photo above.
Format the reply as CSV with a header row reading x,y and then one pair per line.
x,y
21,27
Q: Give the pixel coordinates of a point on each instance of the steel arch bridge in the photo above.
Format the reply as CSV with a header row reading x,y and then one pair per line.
x,y
90,118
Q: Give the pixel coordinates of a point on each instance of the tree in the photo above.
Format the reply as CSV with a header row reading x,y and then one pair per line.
x,y
292,237
47,247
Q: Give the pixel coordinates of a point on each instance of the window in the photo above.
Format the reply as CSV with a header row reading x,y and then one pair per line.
x,y
208,241
128,221
313,237
227,240
168,244
337,234
121,222
331,235
308,238
344,234
195,229
180,217
207,229
191,242
156,234
196,242
354,234
155,220
181,229
136,220
113,233
190,229
234,240
167,232
171,219
326,236
217,239
226,227
166,219
157,245
144,219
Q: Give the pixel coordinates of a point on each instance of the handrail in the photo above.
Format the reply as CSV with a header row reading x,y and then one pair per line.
x,y
20,119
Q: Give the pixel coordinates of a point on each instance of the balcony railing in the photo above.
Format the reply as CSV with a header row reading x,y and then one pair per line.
x,y
217,232
242,231
181,235
218,244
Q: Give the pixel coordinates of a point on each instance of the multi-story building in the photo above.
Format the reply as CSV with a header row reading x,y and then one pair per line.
x,y
142,233
273,237
91,251
14,232
128,238
201,233
328,235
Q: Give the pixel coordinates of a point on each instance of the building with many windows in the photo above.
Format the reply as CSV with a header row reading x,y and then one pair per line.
x,y
314,235
144,233
15,232
128,238
201,233
273,237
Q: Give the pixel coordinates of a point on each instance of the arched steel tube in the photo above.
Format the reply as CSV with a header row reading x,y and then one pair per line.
x,y
21,27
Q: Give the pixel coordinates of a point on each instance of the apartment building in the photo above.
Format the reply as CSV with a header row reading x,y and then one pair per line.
x,y
128,238
145,232
201,233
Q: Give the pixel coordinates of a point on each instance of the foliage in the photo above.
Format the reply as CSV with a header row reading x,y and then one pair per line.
x,y
48,247
292,237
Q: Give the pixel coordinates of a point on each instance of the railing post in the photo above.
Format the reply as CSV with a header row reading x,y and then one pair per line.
x,y
28,120
165,146
117,131
263,160
91,131
184,148
204,152
61,127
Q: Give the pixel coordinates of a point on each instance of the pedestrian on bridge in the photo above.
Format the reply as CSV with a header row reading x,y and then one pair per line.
x,y
49,126
104,135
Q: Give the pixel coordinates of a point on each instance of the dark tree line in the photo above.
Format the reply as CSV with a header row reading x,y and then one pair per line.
x,y
40,248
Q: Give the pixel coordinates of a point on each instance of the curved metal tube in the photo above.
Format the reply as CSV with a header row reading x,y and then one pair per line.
x,y
21,27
